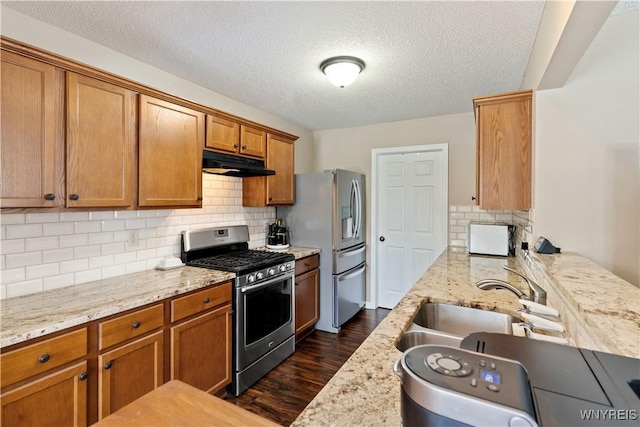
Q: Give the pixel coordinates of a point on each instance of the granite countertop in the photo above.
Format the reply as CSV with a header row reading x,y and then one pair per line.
x,y
366,392
31,316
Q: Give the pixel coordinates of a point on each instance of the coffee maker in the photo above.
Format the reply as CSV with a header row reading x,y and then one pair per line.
x,y
277,235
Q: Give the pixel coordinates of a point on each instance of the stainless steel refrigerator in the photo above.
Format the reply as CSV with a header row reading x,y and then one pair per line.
x,y
329,213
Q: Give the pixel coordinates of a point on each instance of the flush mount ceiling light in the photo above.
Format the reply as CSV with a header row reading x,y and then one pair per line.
x,y
342,70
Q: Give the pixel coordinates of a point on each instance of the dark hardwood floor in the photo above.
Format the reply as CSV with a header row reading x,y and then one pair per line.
x,y
285,391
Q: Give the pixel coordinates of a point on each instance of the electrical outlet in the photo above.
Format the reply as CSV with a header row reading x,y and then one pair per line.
x,y
133,238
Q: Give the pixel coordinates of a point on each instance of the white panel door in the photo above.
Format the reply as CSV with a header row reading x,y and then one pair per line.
x,y
411,220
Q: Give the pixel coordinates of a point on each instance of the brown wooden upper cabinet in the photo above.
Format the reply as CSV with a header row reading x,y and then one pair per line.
x,y
32,131
170,154
503,151
101,143
230,137
276,189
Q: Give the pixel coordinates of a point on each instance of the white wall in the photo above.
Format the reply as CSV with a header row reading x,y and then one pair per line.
x,y
587,153
28,30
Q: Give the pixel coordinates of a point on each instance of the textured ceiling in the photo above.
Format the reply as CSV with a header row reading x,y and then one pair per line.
x,y
422,58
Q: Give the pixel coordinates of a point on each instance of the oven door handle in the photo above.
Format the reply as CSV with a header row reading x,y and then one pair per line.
x,y
246,289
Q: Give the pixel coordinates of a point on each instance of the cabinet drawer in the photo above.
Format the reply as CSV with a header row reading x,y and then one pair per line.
x,y
306,264
200,301
130,325
19,364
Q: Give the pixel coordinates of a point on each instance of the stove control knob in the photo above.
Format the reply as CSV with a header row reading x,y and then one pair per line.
x,y
251,278
283,267
259,275
271,272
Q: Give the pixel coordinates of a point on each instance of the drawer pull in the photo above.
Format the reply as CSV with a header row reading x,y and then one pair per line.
x,y
244,147
83,376
136,325
49,196
108,365
306,264
207,300
235,145
74,197
44,358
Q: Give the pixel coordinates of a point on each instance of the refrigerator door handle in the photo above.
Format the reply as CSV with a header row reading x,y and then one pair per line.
x,y
352,274
351,253
359,208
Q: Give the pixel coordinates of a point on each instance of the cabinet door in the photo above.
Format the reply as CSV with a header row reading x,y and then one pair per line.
x,y
280,157
222,135
58,399
128,372
201,350
306,301
503,151
170,155
253,142
100,143
32,132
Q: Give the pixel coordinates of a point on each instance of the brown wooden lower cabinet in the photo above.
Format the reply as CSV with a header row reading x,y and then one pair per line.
x,y
201,350
58,399
306,293
128,372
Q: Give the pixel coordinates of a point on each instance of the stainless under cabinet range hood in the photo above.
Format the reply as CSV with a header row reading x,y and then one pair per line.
x,y
228,165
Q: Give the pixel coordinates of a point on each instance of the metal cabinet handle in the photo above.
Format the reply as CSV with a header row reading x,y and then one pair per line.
x,y
207,300
108,365
382,239
44,358
83,376
306,264
136,325
199,198
244,147
235,145
74,197
49,196
473,197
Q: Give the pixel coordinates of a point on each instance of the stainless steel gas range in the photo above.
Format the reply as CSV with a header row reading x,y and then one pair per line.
x,y
263,300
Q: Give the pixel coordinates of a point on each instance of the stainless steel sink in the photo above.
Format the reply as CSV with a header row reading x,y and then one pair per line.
x,y
447,324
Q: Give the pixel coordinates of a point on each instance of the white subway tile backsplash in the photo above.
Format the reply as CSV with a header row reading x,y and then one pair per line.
x,y
13,275
113,248
24,288
74,266
87,227
87,275
13,246
57,255
86,246
41,243
87,251
57,228
55,282
23,259
42,270
7,219
80,216
74,240
23,231
113,271
42,217
101,261
99,238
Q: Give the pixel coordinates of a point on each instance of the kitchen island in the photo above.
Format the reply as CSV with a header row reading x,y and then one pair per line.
x,y
365,391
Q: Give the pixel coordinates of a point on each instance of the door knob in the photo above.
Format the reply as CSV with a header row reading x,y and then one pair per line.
x,y
382,238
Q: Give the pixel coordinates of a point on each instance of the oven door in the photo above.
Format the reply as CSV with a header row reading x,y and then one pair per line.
x,y
264,318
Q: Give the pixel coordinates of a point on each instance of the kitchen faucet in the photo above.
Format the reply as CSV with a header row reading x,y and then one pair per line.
x,y
536,293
